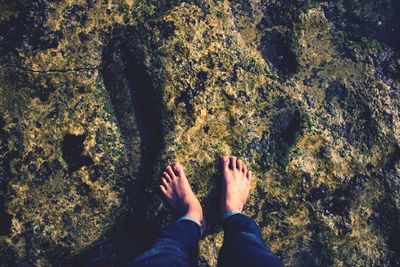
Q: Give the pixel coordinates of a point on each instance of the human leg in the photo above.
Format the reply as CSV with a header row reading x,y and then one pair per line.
x,y
177,244
243,243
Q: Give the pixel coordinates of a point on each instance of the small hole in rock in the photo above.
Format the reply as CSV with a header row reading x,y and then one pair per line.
x,y
72,149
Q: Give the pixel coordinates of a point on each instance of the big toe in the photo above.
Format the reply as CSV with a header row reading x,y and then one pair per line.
x,y
178,169
225,162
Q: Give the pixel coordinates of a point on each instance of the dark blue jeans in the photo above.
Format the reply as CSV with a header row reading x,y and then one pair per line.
x,y
178,246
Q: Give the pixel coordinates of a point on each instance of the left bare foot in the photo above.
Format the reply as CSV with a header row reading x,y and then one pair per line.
x,y
176,188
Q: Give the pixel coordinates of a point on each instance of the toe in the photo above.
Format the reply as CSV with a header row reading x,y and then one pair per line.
x,y
239,164
165,183
171,172
225,162
232,163
178,169
167,177
244,169
163,189
249,175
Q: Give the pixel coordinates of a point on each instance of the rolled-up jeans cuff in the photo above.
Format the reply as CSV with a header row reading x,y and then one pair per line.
x,y
228,214
188,218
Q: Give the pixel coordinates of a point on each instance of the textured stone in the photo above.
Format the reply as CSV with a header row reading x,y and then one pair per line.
x,y
96,97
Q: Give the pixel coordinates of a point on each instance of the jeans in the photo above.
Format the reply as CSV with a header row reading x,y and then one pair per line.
x,y
178,246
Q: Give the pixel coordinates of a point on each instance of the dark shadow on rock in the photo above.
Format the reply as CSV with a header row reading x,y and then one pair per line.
x,y
276,49
211,204
377,20
386,215
134,98
372,26
5,221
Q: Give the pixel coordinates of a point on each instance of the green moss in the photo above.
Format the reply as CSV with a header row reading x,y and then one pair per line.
x,y
251,65
123,8
367,43
103,94
214,96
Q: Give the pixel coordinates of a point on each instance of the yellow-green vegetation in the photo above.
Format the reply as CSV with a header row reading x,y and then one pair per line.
x,y
96,97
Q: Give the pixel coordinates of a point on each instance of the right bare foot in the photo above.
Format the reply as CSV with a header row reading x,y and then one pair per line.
x,y
235,184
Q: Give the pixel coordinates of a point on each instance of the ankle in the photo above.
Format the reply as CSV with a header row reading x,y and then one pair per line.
x,y
195,214
231,209
232,204
228,214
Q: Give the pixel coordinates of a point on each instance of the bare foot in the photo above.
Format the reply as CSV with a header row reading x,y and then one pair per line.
x,y
176,188
235,184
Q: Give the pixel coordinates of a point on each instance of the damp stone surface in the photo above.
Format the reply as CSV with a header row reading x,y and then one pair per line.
x,y
97,96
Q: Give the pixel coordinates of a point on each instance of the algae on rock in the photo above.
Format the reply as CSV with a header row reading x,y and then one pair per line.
x,y
96,97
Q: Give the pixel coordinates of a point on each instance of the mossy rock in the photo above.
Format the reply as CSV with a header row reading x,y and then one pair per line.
x,y
96,97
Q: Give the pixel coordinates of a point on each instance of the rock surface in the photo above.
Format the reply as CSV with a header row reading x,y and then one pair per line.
x,y
96,97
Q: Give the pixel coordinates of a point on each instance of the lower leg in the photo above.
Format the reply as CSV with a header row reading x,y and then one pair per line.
x,y
177,244
243,242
